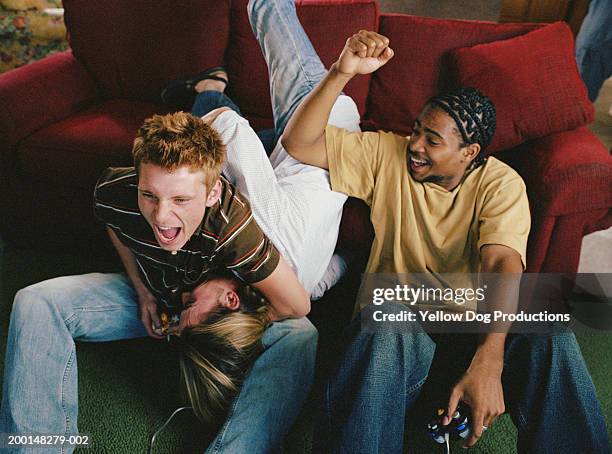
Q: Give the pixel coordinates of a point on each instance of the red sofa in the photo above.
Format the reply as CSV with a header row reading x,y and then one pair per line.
x,y
65,118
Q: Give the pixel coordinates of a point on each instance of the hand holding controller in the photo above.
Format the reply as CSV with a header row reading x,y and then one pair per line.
x,y
459,427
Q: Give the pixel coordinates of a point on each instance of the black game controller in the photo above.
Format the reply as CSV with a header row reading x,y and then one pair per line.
x,y
458,428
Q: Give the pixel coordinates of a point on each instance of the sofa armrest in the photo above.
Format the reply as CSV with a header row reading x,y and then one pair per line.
x,y
41,93
565,173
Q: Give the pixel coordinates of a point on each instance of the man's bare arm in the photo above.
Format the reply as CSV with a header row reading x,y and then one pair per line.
x,y
146,301
481,385
286,295
304,136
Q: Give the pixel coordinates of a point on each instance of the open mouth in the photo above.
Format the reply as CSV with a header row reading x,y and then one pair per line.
x,y
167,235
417,164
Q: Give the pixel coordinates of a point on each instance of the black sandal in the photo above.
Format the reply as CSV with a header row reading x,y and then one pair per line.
x,y
180,93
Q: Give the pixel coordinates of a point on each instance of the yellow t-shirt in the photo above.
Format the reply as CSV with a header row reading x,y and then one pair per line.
x,y
422,227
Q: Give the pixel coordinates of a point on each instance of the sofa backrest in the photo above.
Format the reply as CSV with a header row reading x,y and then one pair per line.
x,y
419,69
134,48
328,25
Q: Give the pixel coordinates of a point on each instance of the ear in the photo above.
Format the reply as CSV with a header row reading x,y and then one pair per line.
x,y
470,152
214,194
232,301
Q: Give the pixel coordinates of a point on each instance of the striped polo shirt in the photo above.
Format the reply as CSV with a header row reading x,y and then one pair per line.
x,y
228,237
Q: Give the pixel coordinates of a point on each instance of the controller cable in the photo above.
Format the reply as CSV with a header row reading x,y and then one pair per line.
x,y
154,437
447,444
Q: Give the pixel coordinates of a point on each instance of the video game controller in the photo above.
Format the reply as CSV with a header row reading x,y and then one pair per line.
x,y
458,428
169,324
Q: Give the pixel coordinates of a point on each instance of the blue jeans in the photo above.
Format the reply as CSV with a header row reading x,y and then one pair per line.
x,y
266,408
594,46
40,381
40,375
293,64
547,389
206,101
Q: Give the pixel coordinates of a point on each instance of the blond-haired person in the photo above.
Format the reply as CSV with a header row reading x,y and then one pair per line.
x,y
173,220
218,340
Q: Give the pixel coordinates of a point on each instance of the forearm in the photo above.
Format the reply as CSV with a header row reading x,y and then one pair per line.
x,y
306,128
283,311
502,268
286,295
491,350
304,136
129,263
294,303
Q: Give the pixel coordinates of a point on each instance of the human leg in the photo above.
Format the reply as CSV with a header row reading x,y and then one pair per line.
x,y
594,46
309,226
294,67
550,395
208,100
273,392
211,99
40,373
247,165
377,381
180,93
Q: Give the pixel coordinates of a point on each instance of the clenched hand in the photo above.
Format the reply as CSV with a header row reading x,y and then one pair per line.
x,y
364,53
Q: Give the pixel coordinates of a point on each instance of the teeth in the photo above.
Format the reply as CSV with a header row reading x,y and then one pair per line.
x,y
418,161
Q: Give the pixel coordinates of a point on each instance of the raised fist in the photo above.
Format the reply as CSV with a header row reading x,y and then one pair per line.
x,y
364,53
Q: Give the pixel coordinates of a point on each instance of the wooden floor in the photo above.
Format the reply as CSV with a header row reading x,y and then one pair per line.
x,y
464,9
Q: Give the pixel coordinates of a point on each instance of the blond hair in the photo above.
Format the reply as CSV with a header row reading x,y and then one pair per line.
x,y
180,139
215,357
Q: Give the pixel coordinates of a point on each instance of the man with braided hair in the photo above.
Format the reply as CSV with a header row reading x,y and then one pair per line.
x,y
437,206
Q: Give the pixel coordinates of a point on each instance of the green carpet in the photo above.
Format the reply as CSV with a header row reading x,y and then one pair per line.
x,y
128,389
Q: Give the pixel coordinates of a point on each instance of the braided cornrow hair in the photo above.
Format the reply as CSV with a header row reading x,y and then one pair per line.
x,y
474,114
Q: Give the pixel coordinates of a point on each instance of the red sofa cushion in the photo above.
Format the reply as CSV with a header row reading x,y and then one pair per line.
x,y
249,84
419,69
40,93
134,48
77,149
565,173
533,81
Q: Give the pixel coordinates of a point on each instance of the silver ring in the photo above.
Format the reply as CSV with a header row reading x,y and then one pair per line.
x,y
484,428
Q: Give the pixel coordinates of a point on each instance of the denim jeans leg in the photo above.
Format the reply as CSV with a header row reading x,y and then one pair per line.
x,y
210,100
377,381
550,395
594,46
40,372
273,393
294,67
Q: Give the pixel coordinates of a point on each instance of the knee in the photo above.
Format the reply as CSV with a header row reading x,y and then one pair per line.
x,y
292,343
557,349
29,304
413,350
393,341
564,347
298,332
301,330
42,302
